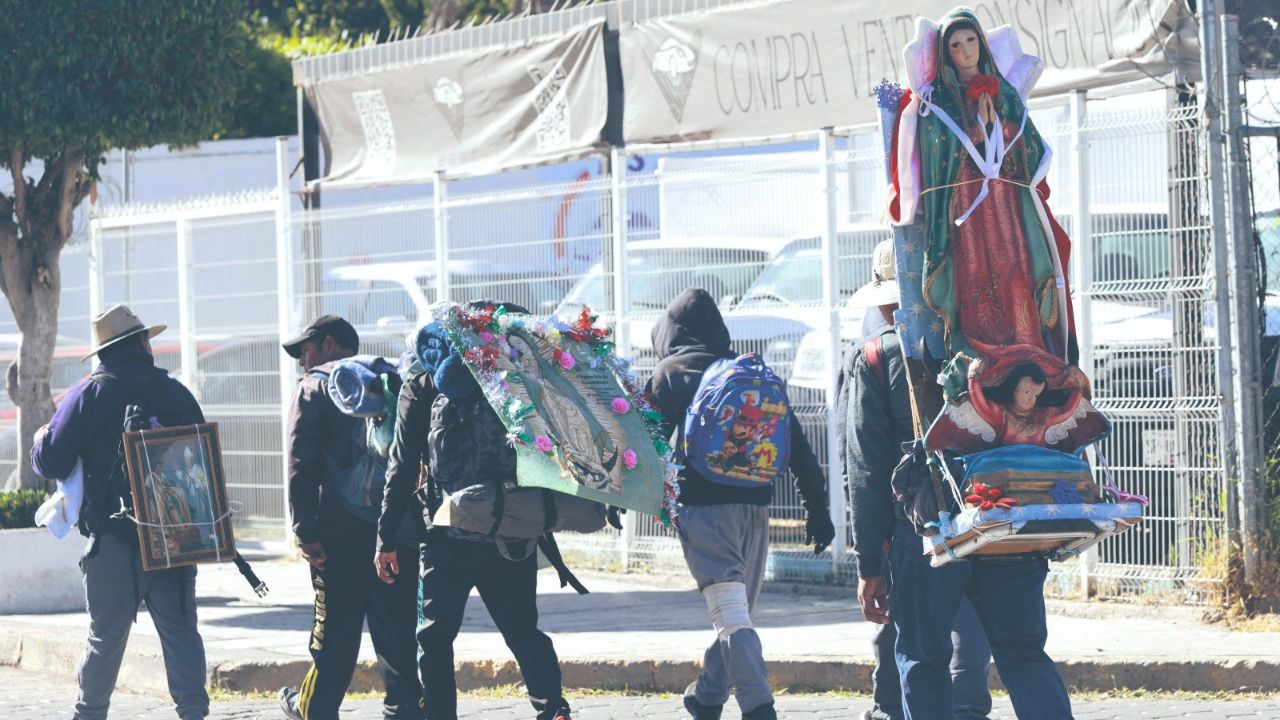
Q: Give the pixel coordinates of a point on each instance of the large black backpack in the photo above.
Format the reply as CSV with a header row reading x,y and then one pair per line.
x,y
471,481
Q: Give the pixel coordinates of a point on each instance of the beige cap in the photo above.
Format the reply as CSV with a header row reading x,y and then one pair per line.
x,y
883,288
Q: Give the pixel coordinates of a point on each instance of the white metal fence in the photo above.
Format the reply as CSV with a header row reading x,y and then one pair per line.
x,y
233,275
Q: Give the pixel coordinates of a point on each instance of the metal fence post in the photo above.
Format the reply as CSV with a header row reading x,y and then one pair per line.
x,y
284,314
438,207
831,307
1211,114
1245,325
1082,230
186,306
621,301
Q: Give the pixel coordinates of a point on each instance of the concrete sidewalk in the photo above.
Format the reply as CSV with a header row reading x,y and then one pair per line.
x,y
647,633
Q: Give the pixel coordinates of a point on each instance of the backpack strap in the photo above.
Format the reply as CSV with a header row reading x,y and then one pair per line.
x,y
873,354
549,513
551,551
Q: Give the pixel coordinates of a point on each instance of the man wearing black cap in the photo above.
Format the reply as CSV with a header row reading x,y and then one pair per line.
x,y
327,452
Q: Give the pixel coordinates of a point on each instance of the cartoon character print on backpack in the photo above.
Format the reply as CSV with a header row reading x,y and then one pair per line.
x,y
738,430
748,451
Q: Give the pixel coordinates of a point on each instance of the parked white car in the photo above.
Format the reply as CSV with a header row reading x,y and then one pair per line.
x,y
784,304
660,269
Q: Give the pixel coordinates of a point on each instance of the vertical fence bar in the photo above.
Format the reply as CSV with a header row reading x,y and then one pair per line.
x,y
97,267
439,192
186,306
1082,283
831,307
1245,325
284,314
621,301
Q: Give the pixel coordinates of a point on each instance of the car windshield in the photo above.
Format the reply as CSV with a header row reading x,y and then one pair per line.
x,y
366,302
656,276
1130,255
795,275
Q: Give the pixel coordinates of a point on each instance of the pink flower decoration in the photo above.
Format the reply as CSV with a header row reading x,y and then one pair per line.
x,y
567,361
543,443
620,405
629,459
487,337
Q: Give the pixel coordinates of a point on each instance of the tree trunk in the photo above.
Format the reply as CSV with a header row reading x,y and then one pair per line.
x,y
38,323
31,279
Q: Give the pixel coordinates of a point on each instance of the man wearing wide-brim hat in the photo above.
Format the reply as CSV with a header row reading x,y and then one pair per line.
x,y
88,427
873,413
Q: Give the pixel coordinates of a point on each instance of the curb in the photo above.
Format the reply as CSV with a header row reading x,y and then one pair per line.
x,y
143,671
809,676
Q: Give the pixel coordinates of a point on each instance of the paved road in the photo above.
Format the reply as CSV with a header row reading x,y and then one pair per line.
x,y
36,696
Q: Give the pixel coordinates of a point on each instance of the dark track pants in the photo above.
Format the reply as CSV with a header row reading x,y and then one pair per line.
x,y
347,593
509,589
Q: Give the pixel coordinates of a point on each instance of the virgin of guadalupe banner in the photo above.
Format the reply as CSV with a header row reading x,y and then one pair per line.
x,y
572,407
469,112
769,68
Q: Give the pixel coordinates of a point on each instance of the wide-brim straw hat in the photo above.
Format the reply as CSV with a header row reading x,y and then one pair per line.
x,y
117,324
883,288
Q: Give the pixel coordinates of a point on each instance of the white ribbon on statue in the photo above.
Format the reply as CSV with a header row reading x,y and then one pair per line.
x,y
988,162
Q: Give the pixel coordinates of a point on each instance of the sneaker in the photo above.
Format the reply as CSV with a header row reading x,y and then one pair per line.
x,y
289,703
696,709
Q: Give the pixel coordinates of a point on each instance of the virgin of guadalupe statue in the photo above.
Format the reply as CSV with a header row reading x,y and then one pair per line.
x,y
968,160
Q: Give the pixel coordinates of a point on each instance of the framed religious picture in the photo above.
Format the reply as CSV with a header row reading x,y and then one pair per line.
x,y
179,496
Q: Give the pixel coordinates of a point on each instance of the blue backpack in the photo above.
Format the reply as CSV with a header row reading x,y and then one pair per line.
x,y
360,388
737,431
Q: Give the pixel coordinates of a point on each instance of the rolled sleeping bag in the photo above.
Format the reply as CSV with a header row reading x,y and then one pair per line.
x,y
357,388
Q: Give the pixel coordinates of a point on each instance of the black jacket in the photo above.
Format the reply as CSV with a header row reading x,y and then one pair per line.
x,y
872,428
688,338
407,457
318,429
89,423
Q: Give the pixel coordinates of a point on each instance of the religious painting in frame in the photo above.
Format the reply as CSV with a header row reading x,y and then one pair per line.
x,y
179,496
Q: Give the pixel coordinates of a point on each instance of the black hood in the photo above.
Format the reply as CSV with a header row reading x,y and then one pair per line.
x,y
692,322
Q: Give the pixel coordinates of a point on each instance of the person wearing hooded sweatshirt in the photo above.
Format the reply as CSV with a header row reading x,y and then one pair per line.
x,y
724,531
87,428
446,427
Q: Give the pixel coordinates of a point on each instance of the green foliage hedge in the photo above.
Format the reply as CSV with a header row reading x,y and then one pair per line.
x,y
18,509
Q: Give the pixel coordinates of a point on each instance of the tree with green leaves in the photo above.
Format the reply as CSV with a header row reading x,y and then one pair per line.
x,y
81,77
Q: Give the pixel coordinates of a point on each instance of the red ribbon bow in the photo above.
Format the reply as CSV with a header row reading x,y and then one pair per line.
x,y
987,497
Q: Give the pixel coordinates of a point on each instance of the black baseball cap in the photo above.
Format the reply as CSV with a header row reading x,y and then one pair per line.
x,y
320,328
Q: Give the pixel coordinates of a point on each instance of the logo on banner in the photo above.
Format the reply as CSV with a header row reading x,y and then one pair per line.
x,y
673,66
449,96
551,129
379,133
